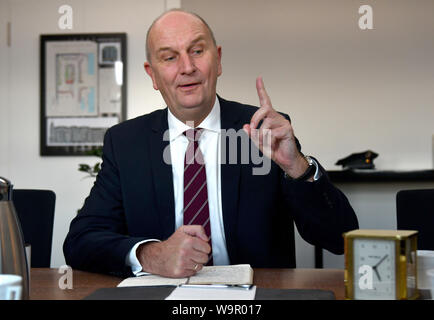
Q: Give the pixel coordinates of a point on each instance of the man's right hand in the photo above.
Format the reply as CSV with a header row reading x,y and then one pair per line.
x,y
181,255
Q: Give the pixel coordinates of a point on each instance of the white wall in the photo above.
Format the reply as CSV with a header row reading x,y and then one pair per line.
x,y
19,114
346,90
4,89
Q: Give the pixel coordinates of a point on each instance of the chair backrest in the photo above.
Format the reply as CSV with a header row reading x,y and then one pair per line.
x,y
415,211
35,210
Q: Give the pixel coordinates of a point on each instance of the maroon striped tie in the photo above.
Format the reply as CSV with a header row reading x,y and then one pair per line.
x,y
196,211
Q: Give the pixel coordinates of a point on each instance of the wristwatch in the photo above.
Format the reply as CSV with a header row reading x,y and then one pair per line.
x,y
312,170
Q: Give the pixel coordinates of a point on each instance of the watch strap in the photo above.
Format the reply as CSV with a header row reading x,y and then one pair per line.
x,y
311,170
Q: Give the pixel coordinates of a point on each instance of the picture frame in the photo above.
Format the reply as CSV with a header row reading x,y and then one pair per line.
x,y
82,90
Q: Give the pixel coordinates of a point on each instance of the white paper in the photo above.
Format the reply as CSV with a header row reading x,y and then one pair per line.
x,y
151,280
181,293
425,261
233,274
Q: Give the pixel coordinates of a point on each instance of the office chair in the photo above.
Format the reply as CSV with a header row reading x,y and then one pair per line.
x,y
415,211
35,210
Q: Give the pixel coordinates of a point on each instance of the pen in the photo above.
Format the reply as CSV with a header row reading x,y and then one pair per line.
x,y
218,286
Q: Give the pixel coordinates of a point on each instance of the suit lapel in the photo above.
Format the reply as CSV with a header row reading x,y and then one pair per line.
x,y
230,178
162,175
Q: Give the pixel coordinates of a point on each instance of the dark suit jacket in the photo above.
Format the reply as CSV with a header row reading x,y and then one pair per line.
x,y
133,199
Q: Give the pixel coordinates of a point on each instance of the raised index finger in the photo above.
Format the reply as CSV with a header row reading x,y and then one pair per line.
x,y
264,99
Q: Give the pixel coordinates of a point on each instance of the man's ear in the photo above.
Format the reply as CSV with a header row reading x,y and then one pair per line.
x,y
219,60
150,72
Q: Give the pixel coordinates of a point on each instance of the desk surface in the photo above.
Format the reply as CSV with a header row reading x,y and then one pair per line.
x,y
44,282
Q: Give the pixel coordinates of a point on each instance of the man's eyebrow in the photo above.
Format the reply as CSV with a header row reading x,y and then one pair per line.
x,y
164,49
167,48
198,39
192,43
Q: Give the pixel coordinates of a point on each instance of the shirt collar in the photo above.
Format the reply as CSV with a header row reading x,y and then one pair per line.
x,y
211,122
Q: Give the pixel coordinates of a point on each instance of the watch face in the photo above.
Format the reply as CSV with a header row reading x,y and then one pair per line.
x,y
374,269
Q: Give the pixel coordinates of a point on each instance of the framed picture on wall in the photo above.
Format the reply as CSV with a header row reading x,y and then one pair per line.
x,y
83,90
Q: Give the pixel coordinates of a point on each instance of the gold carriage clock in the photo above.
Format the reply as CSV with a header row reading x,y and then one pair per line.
x,y
381,264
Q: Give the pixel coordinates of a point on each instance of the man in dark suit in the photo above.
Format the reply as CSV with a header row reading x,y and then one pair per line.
x,y
135,218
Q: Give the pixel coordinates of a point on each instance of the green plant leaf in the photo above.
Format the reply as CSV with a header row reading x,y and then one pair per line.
x,y
92,171
84,167
95,152
97,167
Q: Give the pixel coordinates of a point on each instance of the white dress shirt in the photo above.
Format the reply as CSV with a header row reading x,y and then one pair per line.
x,y
209,144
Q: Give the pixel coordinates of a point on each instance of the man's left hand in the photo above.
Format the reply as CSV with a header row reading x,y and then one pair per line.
x,y
275,137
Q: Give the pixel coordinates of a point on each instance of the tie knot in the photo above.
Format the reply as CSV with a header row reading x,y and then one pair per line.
x,y
193,134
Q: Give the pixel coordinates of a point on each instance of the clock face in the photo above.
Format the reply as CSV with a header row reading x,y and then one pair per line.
x,y
374,269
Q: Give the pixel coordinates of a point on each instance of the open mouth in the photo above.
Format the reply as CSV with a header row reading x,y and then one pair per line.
x,y
189,86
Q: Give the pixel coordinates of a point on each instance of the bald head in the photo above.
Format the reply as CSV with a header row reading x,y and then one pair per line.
x,y
173,12
184,63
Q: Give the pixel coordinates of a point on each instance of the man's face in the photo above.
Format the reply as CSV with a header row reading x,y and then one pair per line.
x,y
184,64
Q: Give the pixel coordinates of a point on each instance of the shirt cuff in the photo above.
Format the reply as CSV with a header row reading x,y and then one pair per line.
x,y
133,261
318,172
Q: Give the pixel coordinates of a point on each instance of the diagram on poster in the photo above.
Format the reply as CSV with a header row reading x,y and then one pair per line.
x,y
72,78
78,131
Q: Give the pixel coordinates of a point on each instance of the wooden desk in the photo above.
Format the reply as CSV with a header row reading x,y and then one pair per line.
x,y
44,282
